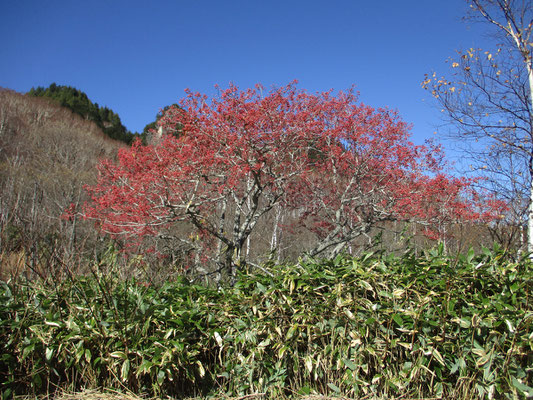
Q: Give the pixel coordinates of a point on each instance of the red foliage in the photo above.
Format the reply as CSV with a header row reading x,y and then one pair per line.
x,y
344,166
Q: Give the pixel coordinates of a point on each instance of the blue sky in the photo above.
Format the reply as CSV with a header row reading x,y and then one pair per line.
x,y
138,56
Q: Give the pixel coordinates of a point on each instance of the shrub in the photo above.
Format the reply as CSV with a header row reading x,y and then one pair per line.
x,y
378,325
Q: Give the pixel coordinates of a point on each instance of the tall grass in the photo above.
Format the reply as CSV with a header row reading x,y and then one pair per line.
x,y
380,325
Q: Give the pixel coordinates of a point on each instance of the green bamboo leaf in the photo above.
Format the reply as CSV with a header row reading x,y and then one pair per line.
x,y
218,338
304,390
160,377
291,286
509,326
438,356
48,353
125,370
350,364
348,313
398,319
308,363
525,389
335,388
463,322
88,355
451,305
201,369
6,393
282,351
119,354
28,350
261,287
290,332
455,367
144,368
470,255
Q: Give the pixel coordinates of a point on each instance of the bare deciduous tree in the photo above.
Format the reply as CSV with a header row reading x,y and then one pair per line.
x,y
47,154
488,99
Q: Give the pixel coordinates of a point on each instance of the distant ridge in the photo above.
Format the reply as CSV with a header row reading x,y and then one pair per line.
x,y
79,102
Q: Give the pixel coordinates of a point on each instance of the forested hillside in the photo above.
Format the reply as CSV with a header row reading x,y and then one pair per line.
x,y
47,154
77,101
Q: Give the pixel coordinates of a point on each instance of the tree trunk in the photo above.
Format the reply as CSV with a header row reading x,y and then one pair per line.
x,y
275,241
523,47
530,222
530,209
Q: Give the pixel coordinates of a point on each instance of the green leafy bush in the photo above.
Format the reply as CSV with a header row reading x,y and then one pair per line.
x,y
379,325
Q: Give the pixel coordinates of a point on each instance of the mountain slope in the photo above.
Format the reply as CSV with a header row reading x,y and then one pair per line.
x,y
78,102
47,154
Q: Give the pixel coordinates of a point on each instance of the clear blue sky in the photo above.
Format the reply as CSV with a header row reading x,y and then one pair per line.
x,y
138,56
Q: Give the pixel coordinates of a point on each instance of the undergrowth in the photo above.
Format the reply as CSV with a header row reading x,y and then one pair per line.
x,y
379,325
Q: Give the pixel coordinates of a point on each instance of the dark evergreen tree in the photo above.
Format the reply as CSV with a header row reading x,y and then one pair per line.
x,y
79,103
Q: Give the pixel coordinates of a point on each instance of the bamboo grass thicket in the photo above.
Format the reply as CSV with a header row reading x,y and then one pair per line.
x,y
377,326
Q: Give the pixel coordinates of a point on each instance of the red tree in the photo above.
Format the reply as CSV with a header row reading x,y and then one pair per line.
x,y
344,166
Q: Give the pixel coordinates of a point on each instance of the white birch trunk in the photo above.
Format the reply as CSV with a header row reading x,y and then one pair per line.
x,y
530,223
528,60
524,48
